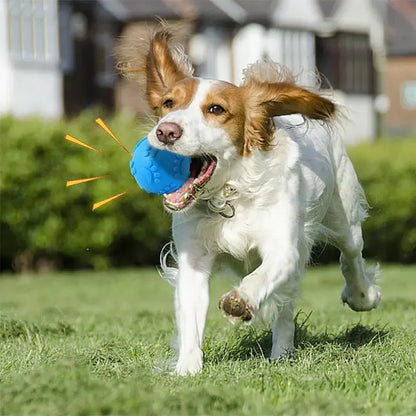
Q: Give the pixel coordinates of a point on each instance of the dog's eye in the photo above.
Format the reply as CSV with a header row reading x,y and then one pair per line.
x,y
216,109
168,104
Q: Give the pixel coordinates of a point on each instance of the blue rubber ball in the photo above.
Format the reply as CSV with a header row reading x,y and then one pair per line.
x,y
158,171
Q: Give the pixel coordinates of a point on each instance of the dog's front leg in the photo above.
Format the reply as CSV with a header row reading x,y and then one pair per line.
x,y
272,287
191,299
274,283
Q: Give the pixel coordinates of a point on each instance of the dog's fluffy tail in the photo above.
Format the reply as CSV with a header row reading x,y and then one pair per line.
x,y
168,263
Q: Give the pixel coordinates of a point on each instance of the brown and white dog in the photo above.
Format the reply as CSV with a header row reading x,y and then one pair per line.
x,y
260,183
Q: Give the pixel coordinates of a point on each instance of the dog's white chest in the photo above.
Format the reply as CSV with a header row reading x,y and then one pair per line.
x,y
235,236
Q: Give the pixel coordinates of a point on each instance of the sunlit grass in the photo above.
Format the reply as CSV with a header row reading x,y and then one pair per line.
x,y
88,343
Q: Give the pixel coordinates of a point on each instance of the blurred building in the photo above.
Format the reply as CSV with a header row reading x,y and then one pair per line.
x,y
401,67
56,56
30,75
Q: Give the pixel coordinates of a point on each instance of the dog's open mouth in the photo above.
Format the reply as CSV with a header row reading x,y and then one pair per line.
x,y
201,171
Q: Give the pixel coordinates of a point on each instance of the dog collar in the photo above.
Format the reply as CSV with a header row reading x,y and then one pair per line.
x,y
221,203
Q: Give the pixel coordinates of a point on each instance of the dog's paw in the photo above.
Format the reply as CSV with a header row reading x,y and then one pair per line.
x,y
236,308
363,299
282,353
189,364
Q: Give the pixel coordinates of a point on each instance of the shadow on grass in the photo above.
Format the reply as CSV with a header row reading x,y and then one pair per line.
x,y
248,342
351,337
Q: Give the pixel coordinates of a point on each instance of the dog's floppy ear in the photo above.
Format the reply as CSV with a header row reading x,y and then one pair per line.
x,y
268,99
162,70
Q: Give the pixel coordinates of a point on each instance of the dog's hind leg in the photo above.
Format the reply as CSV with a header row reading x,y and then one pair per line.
x,y
360,291
343,219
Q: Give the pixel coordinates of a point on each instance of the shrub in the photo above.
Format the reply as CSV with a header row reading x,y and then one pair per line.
x,y
387,172
40,217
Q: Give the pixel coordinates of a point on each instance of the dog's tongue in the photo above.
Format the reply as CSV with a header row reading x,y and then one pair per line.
x,y
176,196
200,173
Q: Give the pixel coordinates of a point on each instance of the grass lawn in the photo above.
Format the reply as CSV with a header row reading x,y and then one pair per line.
x,y
89,343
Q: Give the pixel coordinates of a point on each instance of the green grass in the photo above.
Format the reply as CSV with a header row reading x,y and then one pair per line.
x,y
88,344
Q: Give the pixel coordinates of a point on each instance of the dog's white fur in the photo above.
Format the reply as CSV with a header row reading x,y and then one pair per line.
x,y
301,190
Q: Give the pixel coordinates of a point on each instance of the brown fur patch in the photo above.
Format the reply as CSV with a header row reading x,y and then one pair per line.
x,y
265,100
161,70
181,95
249,109
231,99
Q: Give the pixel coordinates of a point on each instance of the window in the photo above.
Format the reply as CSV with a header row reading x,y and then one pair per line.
x,y
33,31
346,61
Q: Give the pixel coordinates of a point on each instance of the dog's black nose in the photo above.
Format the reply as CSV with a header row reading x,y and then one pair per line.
x,y
168,132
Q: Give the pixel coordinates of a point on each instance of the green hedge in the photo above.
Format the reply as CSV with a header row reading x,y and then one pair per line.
x,y
387,172
42,219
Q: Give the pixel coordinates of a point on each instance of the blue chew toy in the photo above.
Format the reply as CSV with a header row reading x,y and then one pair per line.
x,y
158,171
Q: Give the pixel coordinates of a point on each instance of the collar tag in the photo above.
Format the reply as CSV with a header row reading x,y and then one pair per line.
x,y
221,204
229,190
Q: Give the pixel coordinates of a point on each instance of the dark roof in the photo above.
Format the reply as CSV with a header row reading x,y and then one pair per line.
x,y
328,7
400,16
238,11
401,27
258,10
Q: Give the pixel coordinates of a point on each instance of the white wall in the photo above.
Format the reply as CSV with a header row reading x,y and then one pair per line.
x,y
37,91
6,79
297,14
248,46
29,86
358,117
211,51
295,49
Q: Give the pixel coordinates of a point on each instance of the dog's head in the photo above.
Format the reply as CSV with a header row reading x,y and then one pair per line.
x,y
212,121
